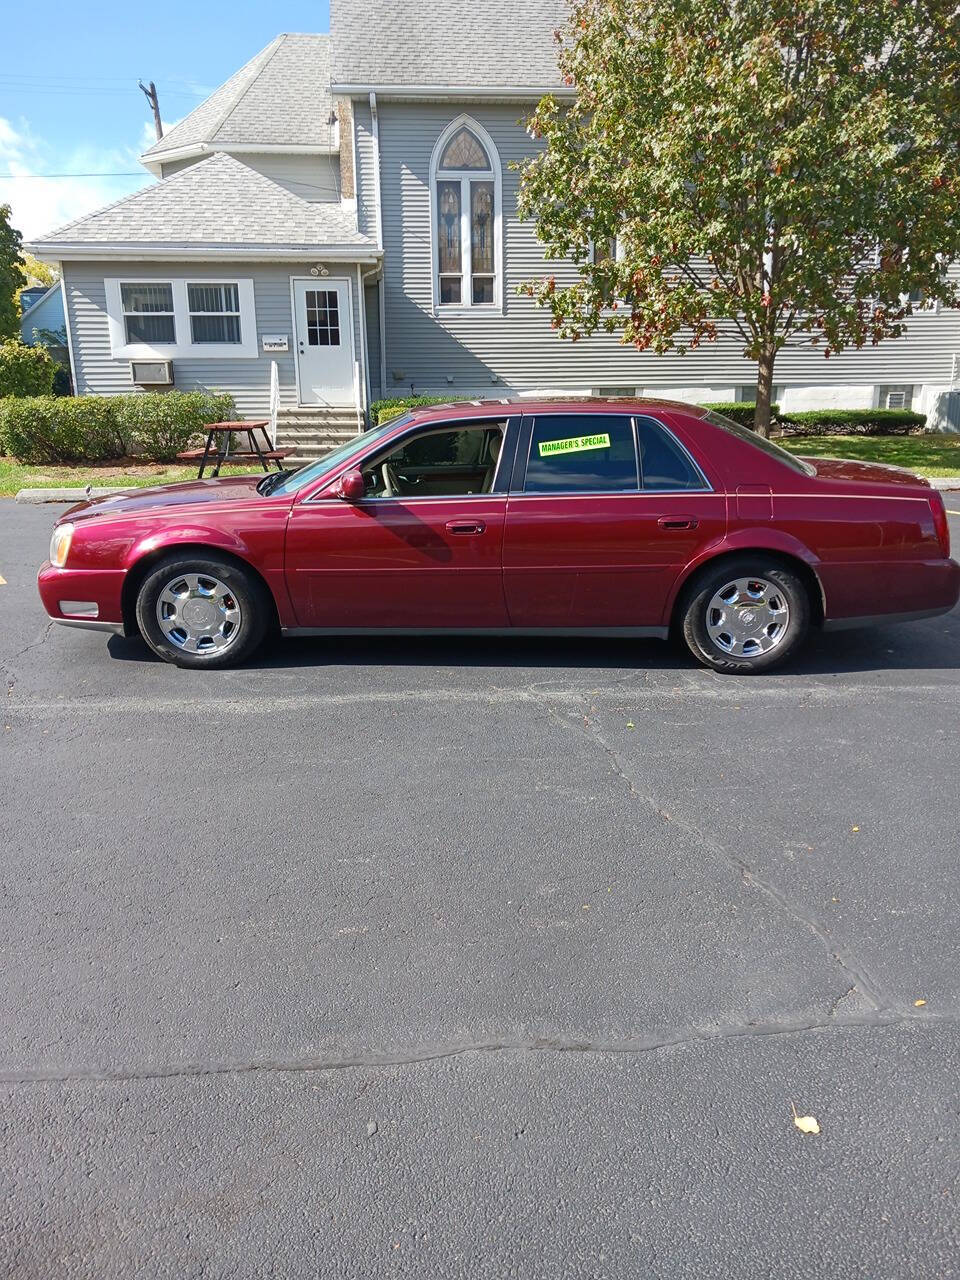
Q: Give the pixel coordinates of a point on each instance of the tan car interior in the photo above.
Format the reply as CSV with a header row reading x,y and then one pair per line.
x,y
446,463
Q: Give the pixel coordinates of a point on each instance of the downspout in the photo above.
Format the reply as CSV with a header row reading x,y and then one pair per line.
x,y
364,348
375,134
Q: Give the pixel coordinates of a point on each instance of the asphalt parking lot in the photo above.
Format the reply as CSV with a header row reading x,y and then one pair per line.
x,y
420,958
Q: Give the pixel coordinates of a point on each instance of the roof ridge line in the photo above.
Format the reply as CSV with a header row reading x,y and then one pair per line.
x,y
268,56
235,97
133,195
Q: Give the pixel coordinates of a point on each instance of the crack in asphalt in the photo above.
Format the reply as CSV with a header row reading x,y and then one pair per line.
x,y
839,952
379,1059
6,664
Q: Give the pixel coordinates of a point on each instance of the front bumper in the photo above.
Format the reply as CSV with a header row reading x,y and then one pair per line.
x,y
90,598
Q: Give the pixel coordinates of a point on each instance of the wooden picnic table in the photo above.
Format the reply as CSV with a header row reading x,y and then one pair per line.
x,y
218,451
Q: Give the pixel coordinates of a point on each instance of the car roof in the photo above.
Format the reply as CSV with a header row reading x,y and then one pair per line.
x,y
548,404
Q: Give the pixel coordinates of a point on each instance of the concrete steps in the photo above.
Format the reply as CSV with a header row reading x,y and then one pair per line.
x,y
312,431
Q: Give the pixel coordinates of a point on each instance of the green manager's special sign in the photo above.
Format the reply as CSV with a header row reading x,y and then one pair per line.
x,y
574,444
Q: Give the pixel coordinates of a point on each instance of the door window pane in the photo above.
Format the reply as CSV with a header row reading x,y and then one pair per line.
x,y
323,317
663,464
148,312
581,453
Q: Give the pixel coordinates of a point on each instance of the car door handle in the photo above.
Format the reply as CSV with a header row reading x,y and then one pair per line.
x,y
678,522
465,526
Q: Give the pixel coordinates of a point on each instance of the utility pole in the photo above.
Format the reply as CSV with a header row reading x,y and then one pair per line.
x,y
151,95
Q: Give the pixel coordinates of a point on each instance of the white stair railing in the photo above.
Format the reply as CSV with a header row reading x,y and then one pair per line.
x,y
274,401
356,395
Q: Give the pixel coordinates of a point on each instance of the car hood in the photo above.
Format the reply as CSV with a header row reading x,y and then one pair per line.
x,y
866,472
189,493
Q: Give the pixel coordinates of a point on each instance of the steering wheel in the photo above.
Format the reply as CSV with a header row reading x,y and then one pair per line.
x,y
391,484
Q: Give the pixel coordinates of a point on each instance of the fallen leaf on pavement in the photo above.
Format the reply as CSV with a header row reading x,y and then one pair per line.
x,y
918,1004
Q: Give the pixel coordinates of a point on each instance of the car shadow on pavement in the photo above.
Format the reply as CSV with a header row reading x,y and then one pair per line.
x,y
932,645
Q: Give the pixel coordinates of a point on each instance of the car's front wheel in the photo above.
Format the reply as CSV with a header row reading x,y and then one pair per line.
x,y
202,612
745,616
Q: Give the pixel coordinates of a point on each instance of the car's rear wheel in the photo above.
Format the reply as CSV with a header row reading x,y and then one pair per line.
x,y
747,615
202,612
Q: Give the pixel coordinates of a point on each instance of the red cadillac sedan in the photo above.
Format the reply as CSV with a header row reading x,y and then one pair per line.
x,y
599,517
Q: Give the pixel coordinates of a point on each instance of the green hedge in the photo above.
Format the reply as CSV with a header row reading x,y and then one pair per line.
x,y
65,429
383,410
852,422
160,425
25,371
741,411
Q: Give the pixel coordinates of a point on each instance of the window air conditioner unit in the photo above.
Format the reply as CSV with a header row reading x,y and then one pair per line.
x,y
152,373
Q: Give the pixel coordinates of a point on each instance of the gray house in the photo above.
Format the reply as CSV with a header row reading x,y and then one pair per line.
x,y
337,223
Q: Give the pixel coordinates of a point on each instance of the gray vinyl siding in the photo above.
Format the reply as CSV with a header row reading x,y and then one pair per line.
x,y
371,302
247,380
314,177
518,350
366,178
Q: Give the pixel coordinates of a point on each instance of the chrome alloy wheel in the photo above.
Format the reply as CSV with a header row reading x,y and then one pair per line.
x,y
748,617
198,614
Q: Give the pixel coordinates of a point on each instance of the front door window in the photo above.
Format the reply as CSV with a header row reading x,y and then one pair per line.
x,y
438,464
323,318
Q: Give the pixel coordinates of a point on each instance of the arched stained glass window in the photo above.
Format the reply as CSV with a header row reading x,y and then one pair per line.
x,y
465,184
464,151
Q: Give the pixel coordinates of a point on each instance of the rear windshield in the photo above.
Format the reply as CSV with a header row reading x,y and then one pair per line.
x,y
758,442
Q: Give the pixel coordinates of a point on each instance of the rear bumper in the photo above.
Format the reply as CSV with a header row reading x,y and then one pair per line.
x,y
90,598
859,595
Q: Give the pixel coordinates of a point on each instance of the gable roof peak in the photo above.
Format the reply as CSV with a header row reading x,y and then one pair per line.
x,y
280,97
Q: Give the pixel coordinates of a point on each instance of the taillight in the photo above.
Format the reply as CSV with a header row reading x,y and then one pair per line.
x,y
940,525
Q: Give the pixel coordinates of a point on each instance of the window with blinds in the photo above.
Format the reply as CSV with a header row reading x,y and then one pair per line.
x,y
214,313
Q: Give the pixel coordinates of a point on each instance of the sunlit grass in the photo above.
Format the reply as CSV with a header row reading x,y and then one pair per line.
x,y
18,475
926,455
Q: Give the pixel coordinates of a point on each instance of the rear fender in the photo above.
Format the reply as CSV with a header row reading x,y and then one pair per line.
x,y
757,538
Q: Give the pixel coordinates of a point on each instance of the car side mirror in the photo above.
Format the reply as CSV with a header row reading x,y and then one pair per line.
x,y
351,486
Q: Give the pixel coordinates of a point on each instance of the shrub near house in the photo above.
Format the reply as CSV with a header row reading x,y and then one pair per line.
x,y
55,429
25,371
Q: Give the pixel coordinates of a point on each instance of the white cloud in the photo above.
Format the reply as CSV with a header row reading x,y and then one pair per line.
x,y
41,204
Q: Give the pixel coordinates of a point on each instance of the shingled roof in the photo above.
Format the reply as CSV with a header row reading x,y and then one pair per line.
x,y
218,203
457,43
281,97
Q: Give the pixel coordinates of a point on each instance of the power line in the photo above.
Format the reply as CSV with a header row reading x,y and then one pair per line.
x,y
134,173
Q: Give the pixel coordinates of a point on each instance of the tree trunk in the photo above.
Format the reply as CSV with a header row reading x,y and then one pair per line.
x,y
761,417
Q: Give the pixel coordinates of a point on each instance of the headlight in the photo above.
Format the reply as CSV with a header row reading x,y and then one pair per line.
x,y
60,544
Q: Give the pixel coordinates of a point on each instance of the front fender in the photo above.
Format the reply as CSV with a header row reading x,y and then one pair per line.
x,y
260,547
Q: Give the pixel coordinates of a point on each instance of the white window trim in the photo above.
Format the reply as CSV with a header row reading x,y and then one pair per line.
x,y
184,348
466,306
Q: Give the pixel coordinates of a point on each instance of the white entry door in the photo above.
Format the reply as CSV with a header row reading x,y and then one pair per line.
x,y
324,341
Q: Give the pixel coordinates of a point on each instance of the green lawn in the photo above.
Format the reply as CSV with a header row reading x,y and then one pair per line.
x,y
18,475
926,455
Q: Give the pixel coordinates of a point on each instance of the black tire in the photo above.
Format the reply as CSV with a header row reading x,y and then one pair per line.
x,y
695,606
248,596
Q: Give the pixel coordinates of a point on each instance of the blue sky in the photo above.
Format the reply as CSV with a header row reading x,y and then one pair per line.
x,y
71,104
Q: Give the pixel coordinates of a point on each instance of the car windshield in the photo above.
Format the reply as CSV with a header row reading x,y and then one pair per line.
x,y
323,466
758,442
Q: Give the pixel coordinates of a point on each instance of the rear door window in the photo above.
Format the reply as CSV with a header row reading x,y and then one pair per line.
x,y
581,453
664,465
